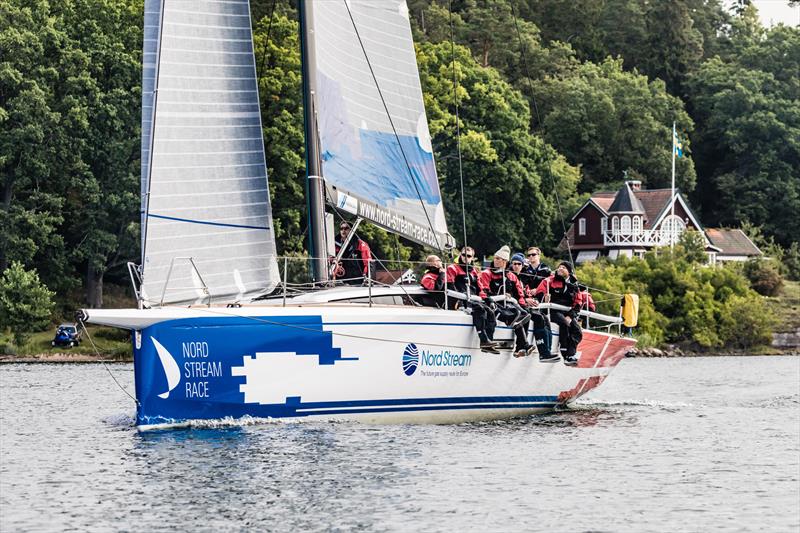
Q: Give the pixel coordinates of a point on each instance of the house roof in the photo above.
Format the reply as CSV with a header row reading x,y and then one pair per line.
x,y
653,202
732,242
604,199
600,200
626,202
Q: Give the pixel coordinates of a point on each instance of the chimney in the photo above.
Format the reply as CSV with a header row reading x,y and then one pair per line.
x,y
635,185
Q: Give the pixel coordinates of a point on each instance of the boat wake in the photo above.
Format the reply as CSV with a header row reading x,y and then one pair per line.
x,y
786,400
599,403
120,420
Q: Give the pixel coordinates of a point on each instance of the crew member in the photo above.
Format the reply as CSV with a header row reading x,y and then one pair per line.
x,y
354,267
495,281
542,336
560,288
463,277
434,281
534,271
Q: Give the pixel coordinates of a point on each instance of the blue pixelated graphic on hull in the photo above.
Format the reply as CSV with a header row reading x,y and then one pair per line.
x,y
183,367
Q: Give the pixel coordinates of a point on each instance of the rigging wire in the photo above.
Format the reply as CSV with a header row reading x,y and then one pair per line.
x,y
394,130
269,32
458,120
97,352
541,130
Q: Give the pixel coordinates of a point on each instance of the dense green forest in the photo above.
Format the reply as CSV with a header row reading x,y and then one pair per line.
x,y
554,95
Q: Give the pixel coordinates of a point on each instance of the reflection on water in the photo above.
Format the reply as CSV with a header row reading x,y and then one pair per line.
x,y
695,444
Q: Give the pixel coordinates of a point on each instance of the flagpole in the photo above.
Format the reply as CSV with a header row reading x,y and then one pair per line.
x,y
672,212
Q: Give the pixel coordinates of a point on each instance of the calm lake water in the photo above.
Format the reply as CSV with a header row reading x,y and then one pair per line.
x,y
705,444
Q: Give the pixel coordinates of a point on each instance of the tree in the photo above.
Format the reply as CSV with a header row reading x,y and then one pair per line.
x,y
277,46
749,136
509,175
29,144
25,303
104,94
609,121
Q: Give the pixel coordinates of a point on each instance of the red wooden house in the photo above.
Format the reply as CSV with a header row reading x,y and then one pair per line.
x,y
633,220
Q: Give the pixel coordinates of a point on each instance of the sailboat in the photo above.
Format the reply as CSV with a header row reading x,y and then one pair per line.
x,y
207,344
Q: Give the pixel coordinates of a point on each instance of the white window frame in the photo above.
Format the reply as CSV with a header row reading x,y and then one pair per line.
x,y
604,225
614,225
637,225
625,225
581,226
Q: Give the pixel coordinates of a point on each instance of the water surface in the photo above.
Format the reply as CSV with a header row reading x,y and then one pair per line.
x,y
702,444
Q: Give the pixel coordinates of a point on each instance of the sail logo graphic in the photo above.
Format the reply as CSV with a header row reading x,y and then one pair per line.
x,y
171,369
347,203
410,359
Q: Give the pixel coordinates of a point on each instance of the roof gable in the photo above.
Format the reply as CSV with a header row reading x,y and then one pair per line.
x,y
667,209
590,202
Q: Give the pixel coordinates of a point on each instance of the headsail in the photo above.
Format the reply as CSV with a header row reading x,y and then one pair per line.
x,y
377,165
205,192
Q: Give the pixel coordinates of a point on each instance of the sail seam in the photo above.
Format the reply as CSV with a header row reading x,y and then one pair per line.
x,y
207,222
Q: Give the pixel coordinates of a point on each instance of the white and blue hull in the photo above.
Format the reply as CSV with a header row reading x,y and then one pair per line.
x,y
382,364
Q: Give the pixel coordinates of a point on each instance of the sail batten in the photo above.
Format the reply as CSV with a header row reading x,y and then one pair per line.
x,y
205,194
375,164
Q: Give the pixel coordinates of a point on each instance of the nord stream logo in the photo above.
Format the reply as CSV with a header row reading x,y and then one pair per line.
x,y
439,363
410,359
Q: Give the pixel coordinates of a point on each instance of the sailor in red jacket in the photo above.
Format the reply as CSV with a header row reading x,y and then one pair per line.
x,y
542,336
354,267
561,288
497,281
462,277
434,281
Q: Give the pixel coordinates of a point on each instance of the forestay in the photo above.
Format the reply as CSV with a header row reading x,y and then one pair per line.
x,y
207,195
385,178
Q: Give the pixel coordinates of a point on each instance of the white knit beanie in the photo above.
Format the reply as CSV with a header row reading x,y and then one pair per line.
x,y
503,253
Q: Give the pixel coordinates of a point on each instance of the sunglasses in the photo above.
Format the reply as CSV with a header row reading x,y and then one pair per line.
x,y
469,256
344,228
531,255
516,263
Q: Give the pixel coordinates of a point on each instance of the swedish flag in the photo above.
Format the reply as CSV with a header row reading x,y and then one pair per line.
x,y
676,142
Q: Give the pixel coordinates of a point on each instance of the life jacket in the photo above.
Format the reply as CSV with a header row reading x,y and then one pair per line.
x,y
356,259
531,276
457,278
433,279
562,292
492,280
584,300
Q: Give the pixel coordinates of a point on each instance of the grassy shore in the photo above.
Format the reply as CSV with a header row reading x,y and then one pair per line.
x,y
111,345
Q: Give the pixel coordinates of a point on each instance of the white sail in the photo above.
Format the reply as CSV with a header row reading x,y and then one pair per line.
x,y
205,185
375,164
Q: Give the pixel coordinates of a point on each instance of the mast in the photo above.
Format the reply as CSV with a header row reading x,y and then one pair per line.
x,y
315,195
672,207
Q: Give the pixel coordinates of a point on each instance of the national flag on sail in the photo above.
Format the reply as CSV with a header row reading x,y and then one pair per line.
x,y
676,143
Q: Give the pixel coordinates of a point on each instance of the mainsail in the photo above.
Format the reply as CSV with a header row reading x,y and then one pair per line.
x,y
204,183
375,164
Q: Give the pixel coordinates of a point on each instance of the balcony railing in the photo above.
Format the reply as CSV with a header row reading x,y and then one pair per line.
x,y
647,237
